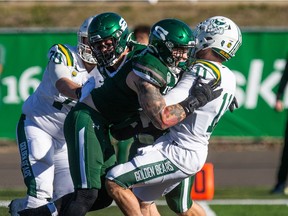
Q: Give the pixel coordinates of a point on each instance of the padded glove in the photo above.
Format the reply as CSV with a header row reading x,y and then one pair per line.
x,y
233,105
200,95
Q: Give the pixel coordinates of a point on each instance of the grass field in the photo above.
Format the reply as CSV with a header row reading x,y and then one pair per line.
x,y
227,202
222,210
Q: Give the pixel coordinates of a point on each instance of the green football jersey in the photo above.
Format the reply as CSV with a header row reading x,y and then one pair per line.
x,y
116,101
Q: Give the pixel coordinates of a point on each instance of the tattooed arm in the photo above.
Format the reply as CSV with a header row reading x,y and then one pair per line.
x,y
153,103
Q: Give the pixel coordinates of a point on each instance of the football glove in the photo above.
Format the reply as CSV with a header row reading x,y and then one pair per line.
x,y
233,105
200,95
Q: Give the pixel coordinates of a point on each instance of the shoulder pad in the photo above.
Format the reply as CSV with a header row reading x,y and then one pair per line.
x,y
133,45
135,50
60,53
206,69
150,68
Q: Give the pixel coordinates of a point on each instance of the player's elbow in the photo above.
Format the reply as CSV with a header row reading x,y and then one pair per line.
x,y
159,124
168,119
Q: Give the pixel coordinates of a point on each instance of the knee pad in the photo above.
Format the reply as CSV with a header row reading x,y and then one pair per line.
x,y
81,203
103,200
86,197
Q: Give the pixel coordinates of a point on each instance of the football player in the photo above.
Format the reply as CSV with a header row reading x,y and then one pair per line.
x,y
182,152
40,137
138,84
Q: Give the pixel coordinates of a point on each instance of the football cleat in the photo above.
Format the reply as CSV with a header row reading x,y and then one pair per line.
x,y
16,205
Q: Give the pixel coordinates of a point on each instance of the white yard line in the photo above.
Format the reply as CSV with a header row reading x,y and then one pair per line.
x,y
205,204
208,210
248,202
4,203
238,202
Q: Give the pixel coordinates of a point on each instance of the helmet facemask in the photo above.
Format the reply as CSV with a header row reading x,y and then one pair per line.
x,y
105,51
108,36
174,56
172,40
86,53
83,48
180,56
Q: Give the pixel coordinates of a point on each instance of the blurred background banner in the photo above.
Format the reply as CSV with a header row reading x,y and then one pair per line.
x,y
24,63
258,67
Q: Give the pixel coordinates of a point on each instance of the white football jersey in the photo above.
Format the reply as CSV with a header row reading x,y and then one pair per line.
x,y
46,106
194,132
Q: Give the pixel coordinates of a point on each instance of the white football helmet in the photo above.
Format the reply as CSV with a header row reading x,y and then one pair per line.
x,y
83,48
220,34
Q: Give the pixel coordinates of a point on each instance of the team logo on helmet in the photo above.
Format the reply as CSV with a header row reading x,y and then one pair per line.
x,y
123,24
217,26
160,33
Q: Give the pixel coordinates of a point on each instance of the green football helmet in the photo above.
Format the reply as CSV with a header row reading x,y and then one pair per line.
x,y
168,36
108,26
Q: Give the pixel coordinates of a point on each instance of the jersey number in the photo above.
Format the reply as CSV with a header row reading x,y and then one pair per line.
x,y
58,105
225,103
55,57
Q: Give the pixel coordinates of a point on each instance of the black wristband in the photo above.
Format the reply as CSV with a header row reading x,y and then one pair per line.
x,y
78,92
184,105
189,105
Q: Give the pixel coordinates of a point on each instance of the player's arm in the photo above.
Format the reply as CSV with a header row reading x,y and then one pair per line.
x,y
144,124
68,88
60,68
181,91
154,105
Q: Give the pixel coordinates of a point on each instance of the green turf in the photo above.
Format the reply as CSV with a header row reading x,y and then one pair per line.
x,y
164,210
220,193
220,210
249,210
4,211
7,194
246,193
